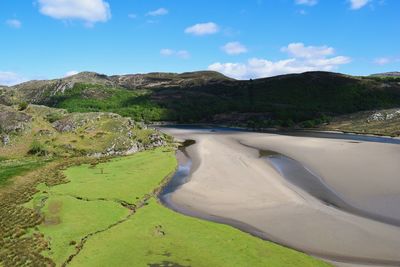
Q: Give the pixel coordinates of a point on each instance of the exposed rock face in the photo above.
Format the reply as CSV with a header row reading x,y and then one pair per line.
x,y
384,115
76,120
14,121
61,87
157,140
5,139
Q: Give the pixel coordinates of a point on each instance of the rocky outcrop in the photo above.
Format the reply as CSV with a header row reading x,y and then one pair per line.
x,y
57,132
384,115
76,120
5,139
14,122
387,74
157,140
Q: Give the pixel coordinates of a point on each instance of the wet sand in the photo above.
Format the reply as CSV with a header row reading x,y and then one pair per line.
x,y
229,182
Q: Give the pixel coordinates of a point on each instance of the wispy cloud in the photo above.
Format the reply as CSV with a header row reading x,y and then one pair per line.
x,y
357,4
166,52
382,61
158,12
10,78
234,48
203,29
14,23
301,58
71,73
386,60
306,2
89,11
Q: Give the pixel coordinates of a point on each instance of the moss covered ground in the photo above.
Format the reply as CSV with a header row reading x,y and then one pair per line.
x,y
16,167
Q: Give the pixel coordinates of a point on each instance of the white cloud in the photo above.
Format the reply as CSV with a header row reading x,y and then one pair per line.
x,y
166,52
14,23
234,48
306,2
158,12
183,54
302,12
382,60
71,73
301,51
10,78
302,59
132,16
386,60
202,29
90,11
357,4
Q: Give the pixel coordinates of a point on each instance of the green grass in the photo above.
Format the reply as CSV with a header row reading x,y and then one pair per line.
x,y
13,168
137,105
126,178
187,242
90,201
152,235
68,220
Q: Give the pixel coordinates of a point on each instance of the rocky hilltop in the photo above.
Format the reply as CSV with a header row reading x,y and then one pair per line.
x,y
40,91
44,131
387,74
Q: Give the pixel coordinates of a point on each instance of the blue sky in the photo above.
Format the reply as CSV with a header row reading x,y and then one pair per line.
x,y
243,39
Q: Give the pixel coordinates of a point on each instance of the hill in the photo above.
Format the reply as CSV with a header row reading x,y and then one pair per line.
x,y
387,74
50,132
379,122
41,91
305,100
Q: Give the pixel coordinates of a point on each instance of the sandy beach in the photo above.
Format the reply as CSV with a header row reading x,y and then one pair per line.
x,y
229,180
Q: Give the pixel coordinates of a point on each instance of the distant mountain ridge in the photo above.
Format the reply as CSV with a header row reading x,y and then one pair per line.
x,y
387,74
305,99
36,91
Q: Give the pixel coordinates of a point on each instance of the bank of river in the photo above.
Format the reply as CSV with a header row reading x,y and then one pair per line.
x,y
315,192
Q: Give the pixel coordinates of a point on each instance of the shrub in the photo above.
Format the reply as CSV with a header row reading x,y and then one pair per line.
x,y
53,117
309,124
37,148
288,123
22,106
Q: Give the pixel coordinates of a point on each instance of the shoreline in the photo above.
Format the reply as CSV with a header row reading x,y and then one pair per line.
x,y
272,130
186,201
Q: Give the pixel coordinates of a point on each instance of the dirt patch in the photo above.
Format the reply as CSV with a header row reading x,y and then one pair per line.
x,y
53,220
55,207
166,264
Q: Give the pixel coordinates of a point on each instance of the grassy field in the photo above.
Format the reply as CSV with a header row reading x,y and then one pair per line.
x,y
126,179
68,220
156,236
92,199
144,233
16,167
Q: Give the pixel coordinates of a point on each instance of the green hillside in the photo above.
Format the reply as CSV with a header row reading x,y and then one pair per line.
x,y
302,100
